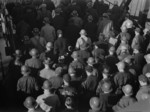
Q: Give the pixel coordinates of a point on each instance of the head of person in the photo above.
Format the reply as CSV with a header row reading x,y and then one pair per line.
x,y
146,31
107,87
47,85
105,16
136,49
115,2
124,39
127,90
137,31
143,80
83,32
72,72
34,53
18,53
75,55
59,33
128,60
74,13
112,50
90,18
69,102
106,72
36,32
30,103
58,71
43,7
47,62
25,70
89,70
95,103
66,79
49,46
91,61
147,58
121,66
124,29
46,20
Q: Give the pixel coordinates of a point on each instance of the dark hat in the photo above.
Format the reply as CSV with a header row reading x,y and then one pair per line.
x,y
67,78
138,30
143,78
58,10
105,15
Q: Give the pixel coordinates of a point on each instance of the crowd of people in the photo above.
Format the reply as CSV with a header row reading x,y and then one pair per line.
x,y
80,56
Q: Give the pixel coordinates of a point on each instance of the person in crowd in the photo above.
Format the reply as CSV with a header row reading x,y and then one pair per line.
x,y
147,65
27,85
34,62
37,41
31,105
94,104
47,72
60,45
48,31
105,26
144,91
57,80
83,39
126,100
48,53
47,87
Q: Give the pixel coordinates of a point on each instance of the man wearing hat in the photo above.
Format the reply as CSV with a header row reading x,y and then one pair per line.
x,y
48,31
83,42
105,26
57,80
60,45
48,53
144,88
37,41
107,99
31,105
40,99
122,77
34,61
146,67
138,39
47,72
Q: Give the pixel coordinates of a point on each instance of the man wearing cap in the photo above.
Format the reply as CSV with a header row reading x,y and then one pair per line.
x,y
57,80
83,42
37,41
60,45
138,39
144,88
122,77
105,26
34,61
126,100
47,72
40,99
48,31
31,105
49,52
146,67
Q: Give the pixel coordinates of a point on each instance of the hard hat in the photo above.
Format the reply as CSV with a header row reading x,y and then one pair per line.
x,y
95,103
25,69
121,65
49,45
34,52
107,86
47,85
75,54
127,89
91,60
30,102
